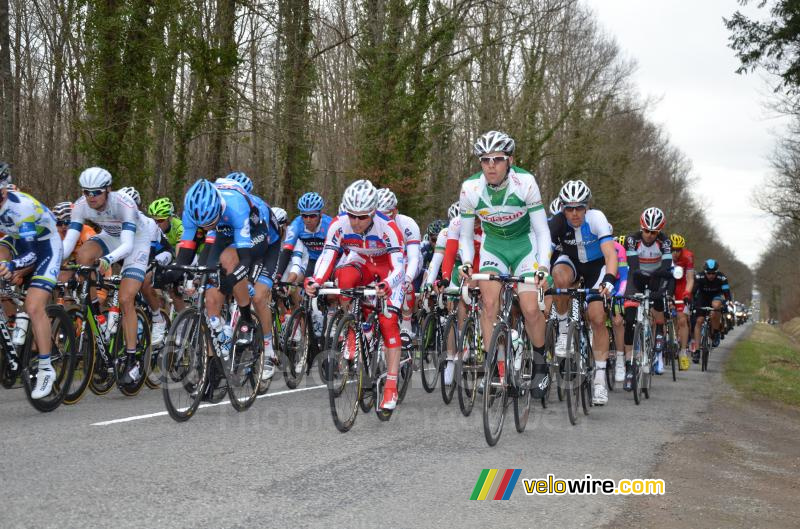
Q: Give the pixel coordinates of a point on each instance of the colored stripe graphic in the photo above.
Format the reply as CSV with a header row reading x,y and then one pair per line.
x,y
487,484
494,484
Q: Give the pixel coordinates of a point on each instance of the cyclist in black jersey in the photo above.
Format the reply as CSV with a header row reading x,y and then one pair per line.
x,y
710,289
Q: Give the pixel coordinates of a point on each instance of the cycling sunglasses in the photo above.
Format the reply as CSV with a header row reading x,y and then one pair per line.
x,y
359,217
309,215
93,192
493,159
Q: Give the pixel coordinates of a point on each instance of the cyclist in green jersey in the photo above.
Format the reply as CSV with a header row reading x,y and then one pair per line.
x,y
162,210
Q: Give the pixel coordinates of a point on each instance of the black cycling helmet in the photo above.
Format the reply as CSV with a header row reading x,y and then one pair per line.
x,y
435,227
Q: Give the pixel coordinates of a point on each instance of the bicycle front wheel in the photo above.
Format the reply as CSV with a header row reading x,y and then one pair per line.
x,y
467,368
243,368
430,344
84,356
184,365
345,373
295,347
495,391
451,350
571,376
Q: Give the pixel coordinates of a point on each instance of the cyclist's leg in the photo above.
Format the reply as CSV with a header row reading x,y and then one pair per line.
x,y
153,298
263,297
716,318
87,255
38,296
133,272
564,276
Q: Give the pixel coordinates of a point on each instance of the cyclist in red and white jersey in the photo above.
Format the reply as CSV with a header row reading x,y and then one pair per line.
x,y
375,246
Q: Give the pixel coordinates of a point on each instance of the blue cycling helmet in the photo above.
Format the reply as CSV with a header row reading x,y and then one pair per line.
x,y
712,266
203,203
242,179
310,202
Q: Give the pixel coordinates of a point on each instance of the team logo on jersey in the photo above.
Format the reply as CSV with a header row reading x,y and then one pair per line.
x,y
501,217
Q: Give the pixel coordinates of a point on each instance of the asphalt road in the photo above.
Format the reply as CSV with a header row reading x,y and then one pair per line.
x,y
122,462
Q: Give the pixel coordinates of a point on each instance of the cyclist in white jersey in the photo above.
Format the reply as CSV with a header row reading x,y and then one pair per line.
x,y
516,238
32,244
387,204
123,237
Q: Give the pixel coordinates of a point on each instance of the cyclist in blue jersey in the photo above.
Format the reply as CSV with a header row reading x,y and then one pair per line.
x,y
227,212
588,252
31,244
311,227
266,249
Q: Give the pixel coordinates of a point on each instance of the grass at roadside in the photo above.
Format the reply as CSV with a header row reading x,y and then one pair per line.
x,y
766,364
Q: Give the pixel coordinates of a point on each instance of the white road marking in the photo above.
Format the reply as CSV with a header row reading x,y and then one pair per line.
x,y
207,405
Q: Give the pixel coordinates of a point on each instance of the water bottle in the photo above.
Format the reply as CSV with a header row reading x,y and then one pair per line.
x,y
112,322
317,320
21,328
222,335
517,346
366,328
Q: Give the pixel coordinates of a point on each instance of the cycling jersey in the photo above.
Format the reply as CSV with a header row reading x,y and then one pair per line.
x,y
712,288
686,261
314,241
380,246
581,243
30,230
516,237
174,231
119,219
649,259
233,221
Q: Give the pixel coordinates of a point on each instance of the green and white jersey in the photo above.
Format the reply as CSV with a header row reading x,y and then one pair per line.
x,y
504,213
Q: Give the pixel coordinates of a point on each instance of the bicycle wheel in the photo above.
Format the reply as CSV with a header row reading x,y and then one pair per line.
x,y
467,368
571,373
587,373
327,343
243,368
143,353
611,366
637,363
495,391
184,365
523,378
153,378
345,373
430,344
404,373
673,350
9,373
84,357
295,347
62,358
379,373
451,349
555,368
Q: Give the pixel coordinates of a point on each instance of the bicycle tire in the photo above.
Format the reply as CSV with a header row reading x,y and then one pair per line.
x,y
295,346
327,341
243,368
430,345
571,374
62,358
495,391
404,374
153,378
673,349
142,347
636,364
587,374
450,351
523,380
184,365
84,357
344,404
467,370
611,366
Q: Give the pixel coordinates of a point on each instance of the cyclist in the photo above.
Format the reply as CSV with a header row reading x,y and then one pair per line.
x,y
649,264
224,210
516,238
123,237
162,210
375,246
617,309
310,227
31,245
387,204
266,242
710,288
584,236
683,257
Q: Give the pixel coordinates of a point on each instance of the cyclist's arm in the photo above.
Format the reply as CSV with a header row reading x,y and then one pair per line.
x,y
126,237
330,252
540,227
289,242
412,249
465,239
26,254
611,258
75,227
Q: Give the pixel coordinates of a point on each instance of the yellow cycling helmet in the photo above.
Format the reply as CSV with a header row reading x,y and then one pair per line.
x,y
678,241
621,239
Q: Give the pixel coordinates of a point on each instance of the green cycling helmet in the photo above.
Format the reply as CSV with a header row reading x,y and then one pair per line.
x,y
161,208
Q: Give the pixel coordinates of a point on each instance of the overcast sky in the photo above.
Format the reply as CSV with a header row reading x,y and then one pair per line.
x,y
718,118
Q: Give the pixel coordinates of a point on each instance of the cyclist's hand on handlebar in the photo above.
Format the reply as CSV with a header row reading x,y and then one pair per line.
x,y
6,270
311,286
607,289
103,265
384,290
466,271
543,279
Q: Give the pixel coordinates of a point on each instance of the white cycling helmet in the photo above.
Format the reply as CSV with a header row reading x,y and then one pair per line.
x,y
132,193
280,215
95,178
360,196
652,219
494,141
387,200
555,206
575,192
453,211
63,211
